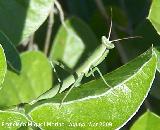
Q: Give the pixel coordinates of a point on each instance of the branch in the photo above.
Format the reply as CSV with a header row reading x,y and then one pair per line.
x,y
31,42
49,31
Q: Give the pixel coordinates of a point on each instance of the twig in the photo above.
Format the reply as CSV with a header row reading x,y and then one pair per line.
x,y
61,13
147,104
50,25
120,49
31,42
49,31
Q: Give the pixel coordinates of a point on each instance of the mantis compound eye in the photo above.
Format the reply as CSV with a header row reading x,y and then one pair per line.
x,y
107,43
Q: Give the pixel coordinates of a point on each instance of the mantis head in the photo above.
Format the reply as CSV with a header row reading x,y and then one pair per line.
x,y
107,43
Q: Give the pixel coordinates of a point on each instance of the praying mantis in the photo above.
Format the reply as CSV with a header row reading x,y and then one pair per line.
x,y
87,69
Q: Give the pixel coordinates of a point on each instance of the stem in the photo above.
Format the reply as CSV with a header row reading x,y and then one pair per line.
x,y
31,42
49,31
120,49
61,13
147,105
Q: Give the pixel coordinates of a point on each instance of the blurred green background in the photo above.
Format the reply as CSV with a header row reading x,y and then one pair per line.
x,y
87,20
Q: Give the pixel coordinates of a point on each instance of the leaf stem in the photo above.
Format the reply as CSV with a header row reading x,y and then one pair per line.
x,y
49,31
147,104
31,42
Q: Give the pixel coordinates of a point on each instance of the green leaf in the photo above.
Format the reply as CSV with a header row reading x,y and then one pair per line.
x,y
3,65
11,53
8,117
158,57
155,91
26,128
72,41
148,121
20,19
93,102
154,15
35,79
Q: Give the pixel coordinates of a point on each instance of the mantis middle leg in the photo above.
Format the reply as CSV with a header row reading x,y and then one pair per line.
x,y
91,72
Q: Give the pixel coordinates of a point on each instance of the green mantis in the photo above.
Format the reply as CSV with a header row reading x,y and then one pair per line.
x,y
87,68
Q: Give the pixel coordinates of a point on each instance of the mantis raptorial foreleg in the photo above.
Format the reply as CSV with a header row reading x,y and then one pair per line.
x,y
92,72
61,65
54,69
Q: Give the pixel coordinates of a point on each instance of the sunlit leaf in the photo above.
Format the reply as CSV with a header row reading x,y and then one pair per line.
x,y
155,91
20,19
158,57
154,15
73,41
3,65
148,121
8,120
93,103
34,79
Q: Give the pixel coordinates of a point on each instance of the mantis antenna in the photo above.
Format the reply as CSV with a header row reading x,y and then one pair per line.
x,y
125,38
110,29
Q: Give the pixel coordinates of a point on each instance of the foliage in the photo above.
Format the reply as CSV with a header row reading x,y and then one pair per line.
x,y
33,39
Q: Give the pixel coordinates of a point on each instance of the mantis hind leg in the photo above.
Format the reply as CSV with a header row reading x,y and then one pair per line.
x,y
75,84
92,72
